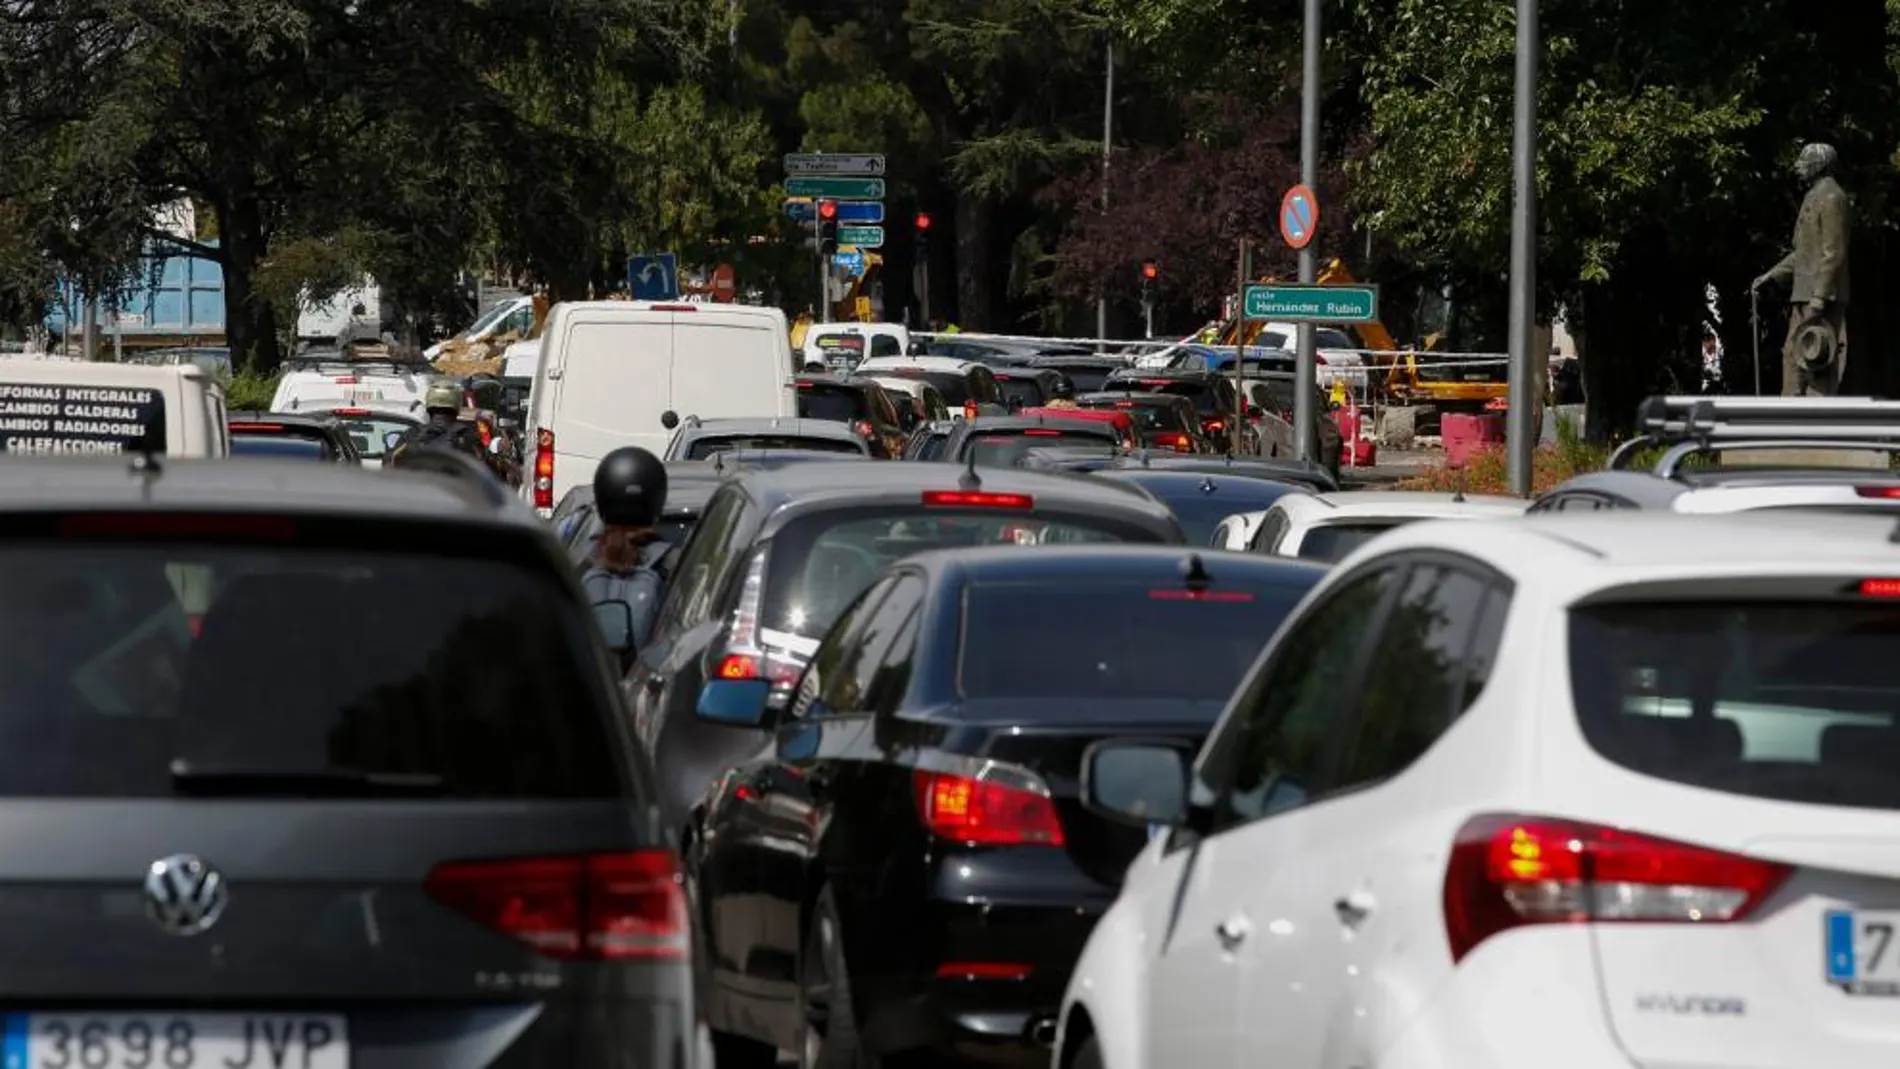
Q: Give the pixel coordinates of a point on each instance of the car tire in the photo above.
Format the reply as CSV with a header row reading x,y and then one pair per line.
x,y
1087,1056
829,1036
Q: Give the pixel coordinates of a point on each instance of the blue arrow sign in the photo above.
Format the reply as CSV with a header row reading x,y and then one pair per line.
x,y
851,263
653,276
859,212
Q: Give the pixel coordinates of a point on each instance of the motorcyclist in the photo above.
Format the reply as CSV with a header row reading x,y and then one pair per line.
x,y
445,428
629,495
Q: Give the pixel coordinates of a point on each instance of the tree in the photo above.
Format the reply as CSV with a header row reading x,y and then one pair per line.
x,y
296,119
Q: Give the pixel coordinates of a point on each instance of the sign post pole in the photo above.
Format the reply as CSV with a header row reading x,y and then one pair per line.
x,y
1519,433
1304,372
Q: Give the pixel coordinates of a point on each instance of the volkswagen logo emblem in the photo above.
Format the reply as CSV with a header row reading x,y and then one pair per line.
x,y
183,895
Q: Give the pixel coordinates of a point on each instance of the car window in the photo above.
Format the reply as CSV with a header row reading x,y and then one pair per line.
x,y
1272,529
820,563
853,682
706,448
1275,751
157,668
281,445
694,578
1020,392
1333,541
885,345
1201,513
1419,678
829,675
833,401
1005,449
1795,701
366,433
891,679
1021,639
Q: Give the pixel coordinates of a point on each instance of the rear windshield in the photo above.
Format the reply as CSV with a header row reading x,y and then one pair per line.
x,y
1087,379
824,400
261,666
954,388
367,432
840,350
821,563
280,445
1274,394
52,418
704,448
1200,514
1006,450
1795,701
1149,416
1020,393
1333,541
1114,639
932,446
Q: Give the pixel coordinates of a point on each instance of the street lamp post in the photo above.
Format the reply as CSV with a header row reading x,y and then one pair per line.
x,y
1520,436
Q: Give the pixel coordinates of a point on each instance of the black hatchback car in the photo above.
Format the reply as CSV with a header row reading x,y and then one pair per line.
x,y
261,827
779,554
1001,441
908,866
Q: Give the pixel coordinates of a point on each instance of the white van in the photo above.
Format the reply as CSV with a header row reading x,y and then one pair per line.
x,y
56,407
616,373
843,346
325,379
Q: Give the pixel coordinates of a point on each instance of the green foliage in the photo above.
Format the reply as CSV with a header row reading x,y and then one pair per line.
x,y
249,391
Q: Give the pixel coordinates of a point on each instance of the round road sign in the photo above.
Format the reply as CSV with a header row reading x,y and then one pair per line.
x,y
1299,216
724,284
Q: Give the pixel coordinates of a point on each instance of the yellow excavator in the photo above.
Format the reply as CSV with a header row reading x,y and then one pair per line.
x,y
1405,375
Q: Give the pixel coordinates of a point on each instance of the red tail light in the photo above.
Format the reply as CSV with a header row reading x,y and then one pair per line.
x,y
544,469
588,907
349,412
248,427
1042,432
344,380
978,499
1886,493
673,308
1511,871
984,812
1200,595
969,410
1175,440
864,428
1214,425
983,970
1880,588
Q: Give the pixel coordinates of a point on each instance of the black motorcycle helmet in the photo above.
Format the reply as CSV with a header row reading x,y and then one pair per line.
x,y
630,488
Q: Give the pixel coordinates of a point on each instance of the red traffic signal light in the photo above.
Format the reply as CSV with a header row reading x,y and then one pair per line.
x,y
827,210
1150,270
923,222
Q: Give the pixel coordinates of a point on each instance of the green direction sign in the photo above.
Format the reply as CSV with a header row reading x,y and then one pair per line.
x,y
836,188
1312,304
864,237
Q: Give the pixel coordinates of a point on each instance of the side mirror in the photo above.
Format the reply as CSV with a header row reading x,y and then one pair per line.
x,y
615,620
740,702
1139,783
669,419
391,439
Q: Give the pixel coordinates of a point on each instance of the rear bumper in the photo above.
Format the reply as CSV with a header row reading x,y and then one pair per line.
x,y
942,990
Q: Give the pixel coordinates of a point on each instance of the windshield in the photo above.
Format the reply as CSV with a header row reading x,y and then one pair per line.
x,y
1006,450
705,448
1334,540
119,659
1114,639
366,433
1794,701
489,318
824,400
279,445
822,563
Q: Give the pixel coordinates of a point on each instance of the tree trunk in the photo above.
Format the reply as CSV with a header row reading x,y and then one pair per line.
x,y
976,297
250,323
1641,332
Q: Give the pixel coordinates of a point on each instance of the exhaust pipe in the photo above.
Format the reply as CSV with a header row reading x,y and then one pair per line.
x,y
1043,1031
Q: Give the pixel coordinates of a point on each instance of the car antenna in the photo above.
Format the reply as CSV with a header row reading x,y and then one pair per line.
x,y
970,480
1194,573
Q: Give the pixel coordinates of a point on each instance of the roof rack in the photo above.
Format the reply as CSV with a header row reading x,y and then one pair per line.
x,y
1790,422
455,465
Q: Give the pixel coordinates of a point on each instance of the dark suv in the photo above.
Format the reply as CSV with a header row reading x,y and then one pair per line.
x,y
1214,397
860,403
268,821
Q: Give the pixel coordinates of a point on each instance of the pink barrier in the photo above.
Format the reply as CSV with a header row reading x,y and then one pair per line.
x,y
1466,435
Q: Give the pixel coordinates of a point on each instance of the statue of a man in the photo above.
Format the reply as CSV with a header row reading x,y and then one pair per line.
x,y
1815,273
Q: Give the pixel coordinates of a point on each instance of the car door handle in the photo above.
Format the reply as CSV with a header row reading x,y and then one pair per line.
x,y
1232,932
1354,908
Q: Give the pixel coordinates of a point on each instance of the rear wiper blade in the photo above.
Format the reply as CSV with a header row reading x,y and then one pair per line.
x,y
237,781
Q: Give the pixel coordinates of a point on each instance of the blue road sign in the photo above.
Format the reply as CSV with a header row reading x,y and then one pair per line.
x,y
653,276
858,212
851,263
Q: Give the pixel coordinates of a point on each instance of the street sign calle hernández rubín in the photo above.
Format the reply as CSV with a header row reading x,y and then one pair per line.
x,y
1300,303
836,188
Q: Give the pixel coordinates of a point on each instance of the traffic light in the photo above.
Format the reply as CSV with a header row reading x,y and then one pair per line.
x,y
1150,271
827,227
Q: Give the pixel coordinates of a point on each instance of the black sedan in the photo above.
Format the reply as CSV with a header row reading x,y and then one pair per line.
x,y
907,866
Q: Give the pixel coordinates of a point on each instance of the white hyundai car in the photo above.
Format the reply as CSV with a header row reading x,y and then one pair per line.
x,y
1591,791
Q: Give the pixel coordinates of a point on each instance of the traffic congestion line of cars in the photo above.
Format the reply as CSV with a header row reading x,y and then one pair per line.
x,y
1065,748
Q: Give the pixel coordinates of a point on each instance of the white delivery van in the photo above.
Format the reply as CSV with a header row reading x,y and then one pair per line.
x,y
77,408
616,373
843,346
320,381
